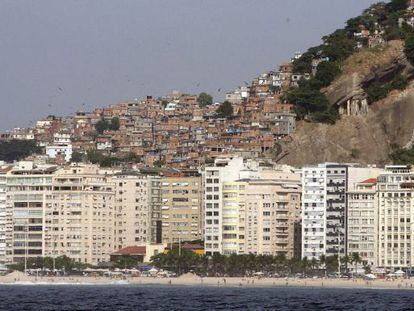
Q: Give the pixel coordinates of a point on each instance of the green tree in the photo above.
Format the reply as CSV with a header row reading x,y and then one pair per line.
x,y
204,99
327,72
95,156
108,161
13,150
307,99
101,126
77,157
338,46
397,5
356,259
402,156
225,110
376,91
409,47
126,262
114,125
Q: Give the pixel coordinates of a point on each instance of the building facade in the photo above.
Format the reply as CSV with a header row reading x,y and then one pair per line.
x,y
79,215
395,216
28,188
181,209
363,221
324,210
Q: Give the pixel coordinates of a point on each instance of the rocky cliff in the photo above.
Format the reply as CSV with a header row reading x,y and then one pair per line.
x,y
362,138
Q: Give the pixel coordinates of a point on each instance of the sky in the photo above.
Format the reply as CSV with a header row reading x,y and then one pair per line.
x,y
60,56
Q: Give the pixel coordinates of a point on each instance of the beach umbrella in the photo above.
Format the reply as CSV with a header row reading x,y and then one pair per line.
x,y
399,273
370,276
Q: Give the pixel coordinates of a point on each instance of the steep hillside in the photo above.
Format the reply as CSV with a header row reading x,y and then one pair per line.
x,y
361,70
363,139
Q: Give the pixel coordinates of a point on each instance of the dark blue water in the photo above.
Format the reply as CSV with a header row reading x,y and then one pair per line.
x,y
199,298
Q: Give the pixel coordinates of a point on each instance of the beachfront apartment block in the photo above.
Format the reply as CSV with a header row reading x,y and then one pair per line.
x,y
224,170
395,217
324,210
363,221
3,212
28,188
256,208
182,208
272,210
137,209
79,215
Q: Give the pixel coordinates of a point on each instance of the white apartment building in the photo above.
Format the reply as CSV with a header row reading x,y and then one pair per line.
x,y
224,170
3,184
28,188
61,146
395,216
324,210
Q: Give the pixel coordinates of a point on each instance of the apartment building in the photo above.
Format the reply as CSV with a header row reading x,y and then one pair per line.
x,y
223,170
256,208
181,208
324,210
3,183
233,217
28,188
138,209
79,214
395,217
363,221
272,212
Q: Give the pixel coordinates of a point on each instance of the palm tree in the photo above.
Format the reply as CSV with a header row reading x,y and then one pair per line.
x,y
314,265
356,259
322,262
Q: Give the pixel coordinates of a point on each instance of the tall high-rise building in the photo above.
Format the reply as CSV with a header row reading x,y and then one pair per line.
x,y
272,211
363,221
324,210
79,214
3,183
28,188
224,170
138,210
251,208
181,208
396,217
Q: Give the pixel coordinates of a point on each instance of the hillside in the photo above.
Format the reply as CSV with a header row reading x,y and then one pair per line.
x,y
366,138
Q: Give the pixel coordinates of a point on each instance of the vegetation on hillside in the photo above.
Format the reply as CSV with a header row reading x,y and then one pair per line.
x,y
402,155
103,125
17,149
204,99
225,110
310,103
377,91
97,157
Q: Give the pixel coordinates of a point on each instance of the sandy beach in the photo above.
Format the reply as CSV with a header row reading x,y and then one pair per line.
x,y
19,278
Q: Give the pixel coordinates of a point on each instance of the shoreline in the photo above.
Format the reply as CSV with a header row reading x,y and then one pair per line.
x,y
402,284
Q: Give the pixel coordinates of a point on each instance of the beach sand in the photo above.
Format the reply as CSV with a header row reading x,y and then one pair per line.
x,y
20,278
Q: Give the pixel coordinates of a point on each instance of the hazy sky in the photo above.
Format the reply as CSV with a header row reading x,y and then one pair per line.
x,y
57,55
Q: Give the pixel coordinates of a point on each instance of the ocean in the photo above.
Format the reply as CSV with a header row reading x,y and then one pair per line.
x,y
138,297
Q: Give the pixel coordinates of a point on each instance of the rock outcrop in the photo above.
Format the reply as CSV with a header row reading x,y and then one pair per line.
x,y
361,69
362,139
